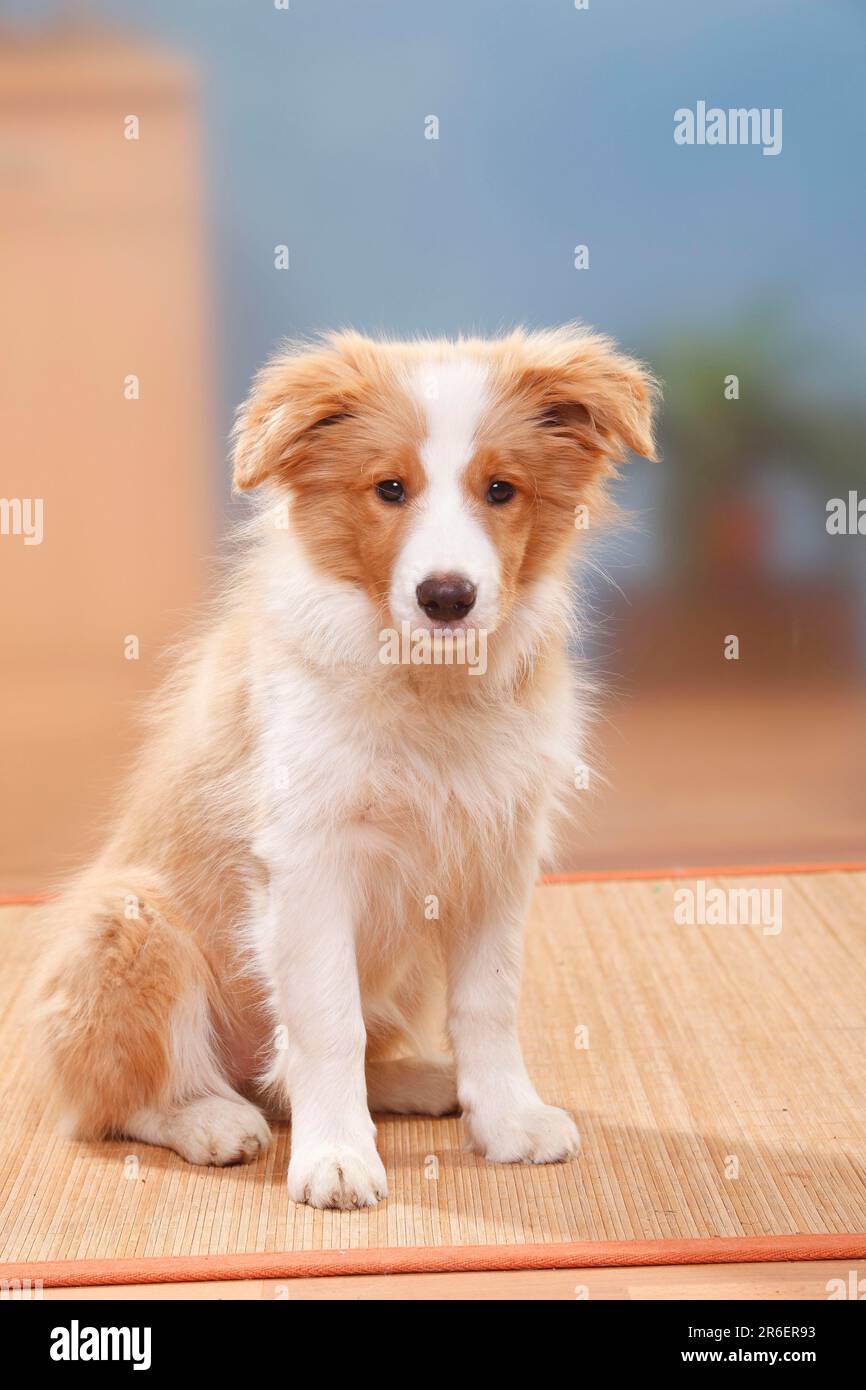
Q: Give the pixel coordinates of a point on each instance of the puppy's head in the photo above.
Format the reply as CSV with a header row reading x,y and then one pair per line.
x,y
444,478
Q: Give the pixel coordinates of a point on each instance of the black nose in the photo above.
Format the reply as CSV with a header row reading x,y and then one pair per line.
x,y
446,596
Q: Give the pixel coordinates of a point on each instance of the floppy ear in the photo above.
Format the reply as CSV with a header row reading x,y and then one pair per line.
x,y
584,391
299,393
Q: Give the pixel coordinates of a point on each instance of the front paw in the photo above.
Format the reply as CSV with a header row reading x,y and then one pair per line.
x,y
337,1176
539,1134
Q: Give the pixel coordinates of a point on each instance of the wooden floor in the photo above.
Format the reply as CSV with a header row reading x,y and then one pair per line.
x,y
799,1280
684,776
716,1072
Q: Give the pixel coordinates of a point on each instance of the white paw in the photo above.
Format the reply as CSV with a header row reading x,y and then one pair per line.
x,y
540,1134
218,1131
335,1176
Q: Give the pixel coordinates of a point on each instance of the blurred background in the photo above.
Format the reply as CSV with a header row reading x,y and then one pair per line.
x,y
183,185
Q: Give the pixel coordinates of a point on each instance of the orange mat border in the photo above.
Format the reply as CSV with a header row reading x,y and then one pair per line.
x,y
446,1259
606,875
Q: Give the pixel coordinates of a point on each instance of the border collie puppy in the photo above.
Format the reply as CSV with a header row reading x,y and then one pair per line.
x,y
322,862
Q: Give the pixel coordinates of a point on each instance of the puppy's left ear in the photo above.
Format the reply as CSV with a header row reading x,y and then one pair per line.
x,y
295,397
587,392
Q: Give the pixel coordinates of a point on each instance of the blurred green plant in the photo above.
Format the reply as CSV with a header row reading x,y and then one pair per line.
x,y
791,415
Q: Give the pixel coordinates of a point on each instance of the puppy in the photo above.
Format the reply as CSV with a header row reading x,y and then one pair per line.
x,y
326,851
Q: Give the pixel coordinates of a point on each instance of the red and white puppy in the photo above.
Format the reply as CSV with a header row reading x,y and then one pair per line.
x,y
325,854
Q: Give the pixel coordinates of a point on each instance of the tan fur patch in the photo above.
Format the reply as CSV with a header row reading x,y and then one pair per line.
x,y
108,1004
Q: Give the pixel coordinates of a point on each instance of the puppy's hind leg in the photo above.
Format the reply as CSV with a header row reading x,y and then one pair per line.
x,y
215,1130
202,1118
126,1025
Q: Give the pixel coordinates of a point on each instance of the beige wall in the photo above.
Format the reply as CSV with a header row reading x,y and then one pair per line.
x,y
102,275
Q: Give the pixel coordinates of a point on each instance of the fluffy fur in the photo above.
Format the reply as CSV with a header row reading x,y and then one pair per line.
x,y
321,859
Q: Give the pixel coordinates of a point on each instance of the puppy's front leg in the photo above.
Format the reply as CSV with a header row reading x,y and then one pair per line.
x,y
505,1118
334,1161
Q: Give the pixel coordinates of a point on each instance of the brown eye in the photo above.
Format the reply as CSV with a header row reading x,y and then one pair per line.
x,y
499,492
391,490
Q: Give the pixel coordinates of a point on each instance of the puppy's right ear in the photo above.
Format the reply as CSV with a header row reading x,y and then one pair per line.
x,y
299,393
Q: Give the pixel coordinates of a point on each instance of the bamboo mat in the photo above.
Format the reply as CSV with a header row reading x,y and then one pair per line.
x,y
717,1074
